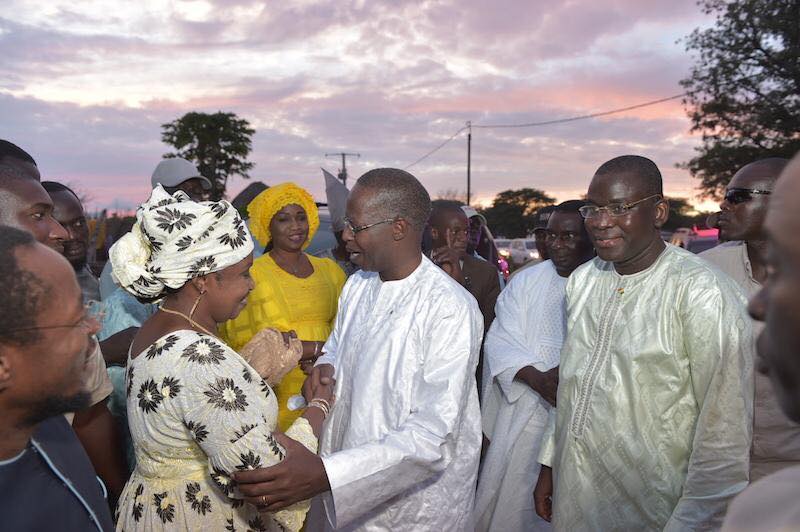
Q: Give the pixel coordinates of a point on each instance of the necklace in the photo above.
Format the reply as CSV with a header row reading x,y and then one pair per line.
x,y
292,270
187,318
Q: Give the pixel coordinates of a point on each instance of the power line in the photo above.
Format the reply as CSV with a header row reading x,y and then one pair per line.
x,y
583,117
548,122
437,148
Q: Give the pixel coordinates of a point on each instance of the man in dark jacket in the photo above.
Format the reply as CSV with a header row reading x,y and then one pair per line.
x,y
449,229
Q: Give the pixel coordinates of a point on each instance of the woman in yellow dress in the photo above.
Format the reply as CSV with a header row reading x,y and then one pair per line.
x,y
293,291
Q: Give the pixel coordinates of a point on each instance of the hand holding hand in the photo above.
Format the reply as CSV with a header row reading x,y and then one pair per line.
x,y
299,476
320,383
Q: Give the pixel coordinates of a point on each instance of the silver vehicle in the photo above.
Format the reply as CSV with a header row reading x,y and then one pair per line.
x,y
523,250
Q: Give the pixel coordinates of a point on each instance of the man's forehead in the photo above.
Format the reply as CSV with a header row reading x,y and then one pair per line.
x,y
615,187
754,175
564,221
28,192
64,202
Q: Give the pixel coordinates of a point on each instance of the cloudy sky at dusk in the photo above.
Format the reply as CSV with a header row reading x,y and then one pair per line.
x,y
85,86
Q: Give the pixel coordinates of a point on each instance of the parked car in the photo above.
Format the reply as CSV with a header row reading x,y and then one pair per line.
x,y
522,250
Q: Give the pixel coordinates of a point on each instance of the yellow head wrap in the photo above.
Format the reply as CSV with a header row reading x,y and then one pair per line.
x,y
268,203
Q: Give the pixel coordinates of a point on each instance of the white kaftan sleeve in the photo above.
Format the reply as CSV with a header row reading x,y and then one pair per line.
x,y
505,350
548,450
219,407
365,476
717,336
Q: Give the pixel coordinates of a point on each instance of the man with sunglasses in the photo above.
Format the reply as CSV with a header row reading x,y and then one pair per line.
x,y
776,439
653,418
46,480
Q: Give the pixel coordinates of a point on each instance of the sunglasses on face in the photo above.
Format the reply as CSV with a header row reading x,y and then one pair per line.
x,y
734,196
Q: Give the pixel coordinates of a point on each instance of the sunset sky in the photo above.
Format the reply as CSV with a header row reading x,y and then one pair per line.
x,y
85,86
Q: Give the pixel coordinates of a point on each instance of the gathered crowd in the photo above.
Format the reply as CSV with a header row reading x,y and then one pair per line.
x,y
217,376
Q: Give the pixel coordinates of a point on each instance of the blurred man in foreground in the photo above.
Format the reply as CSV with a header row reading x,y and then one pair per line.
x,y
46,480
771,504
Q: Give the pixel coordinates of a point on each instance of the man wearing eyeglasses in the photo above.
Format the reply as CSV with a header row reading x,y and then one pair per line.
x,y
400,448
25,205
46,479
653,415
776,439
522,351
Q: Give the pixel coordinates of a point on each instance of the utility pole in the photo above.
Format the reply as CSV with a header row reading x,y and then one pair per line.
x,y
343,172
469,160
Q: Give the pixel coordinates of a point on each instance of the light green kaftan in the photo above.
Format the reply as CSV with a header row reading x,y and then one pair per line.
x,y
653,424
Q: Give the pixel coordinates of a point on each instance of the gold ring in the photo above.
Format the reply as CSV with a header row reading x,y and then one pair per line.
x,y
264,500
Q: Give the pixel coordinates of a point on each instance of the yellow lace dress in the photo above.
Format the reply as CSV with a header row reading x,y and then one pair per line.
x,y
197,412
285,302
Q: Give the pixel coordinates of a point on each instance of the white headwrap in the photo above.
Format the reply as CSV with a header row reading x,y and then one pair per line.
x,y
176,239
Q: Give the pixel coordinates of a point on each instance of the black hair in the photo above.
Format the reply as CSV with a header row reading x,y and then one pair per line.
x,y
442,208
53,186
11,150
573,205
397,194
22,291
641,167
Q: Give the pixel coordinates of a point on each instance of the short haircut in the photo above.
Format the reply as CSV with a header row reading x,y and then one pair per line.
x,y
572,206
10,173
441,208
636,165
53,186
397,194
11,150
22,291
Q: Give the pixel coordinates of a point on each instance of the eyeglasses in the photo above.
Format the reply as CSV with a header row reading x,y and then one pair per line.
x,y
93,312
614,209
355,230
735,196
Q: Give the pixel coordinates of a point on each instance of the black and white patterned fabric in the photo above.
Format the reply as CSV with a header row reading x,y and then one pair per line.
x,y
176,239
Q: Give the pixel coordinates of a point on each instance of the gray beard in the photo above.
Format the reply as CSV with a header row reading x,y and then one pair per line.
x,y
55,405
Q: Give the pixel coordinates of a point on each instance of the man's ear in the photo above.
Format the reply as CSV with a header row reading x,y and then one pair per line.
x,y
400,229
662,213
434,233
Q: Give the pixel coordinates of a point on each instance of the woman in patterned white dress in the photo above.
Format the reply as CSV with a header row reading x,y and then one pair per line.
x,y
197,410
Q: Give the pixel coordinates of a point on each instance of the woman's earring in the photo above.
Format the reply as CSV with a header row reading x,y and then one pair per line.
x,y
196,302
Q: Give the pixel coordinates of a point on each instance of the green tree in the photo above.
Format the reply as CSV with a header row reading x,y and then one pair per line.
x,y
743,94
511,213
217,143
681,214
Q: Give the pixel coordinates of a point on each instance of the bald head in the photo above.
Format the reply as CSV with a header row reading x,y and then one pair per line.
x,y
640,172
395,193
759,174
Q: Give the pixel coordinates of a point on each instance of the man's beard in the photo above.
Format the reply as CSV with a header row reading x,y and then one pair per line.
x,y
55,405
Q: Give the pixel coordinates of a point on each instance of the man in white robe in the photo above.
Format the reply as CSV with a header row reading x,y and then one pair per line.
x,y
400,448
521,374
770,504
654,415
